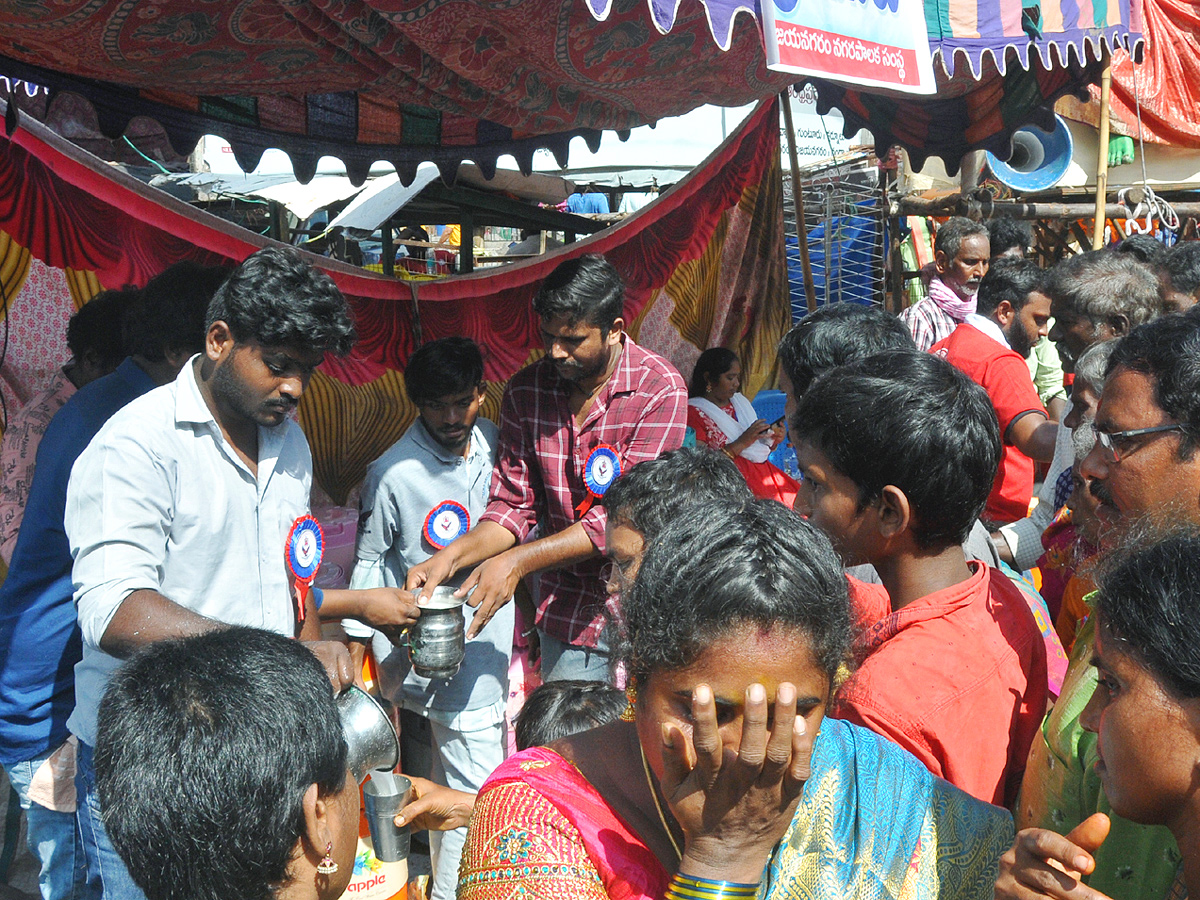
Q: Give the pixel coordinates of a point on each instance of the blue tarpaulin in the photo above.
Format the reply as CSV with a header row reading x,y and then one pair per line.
x,y
854,268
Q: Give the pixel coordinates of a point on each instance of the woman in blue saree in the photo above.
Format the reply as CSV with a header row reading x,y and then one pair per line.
x,y
727,782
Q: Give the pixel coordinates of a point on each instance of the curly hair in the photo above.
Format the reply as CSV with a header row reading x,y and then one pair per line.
x,y
277,299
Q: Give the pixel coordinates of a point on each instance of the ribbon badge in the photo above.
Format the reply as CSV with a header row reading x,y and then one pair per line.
x,y
305,547
446,522
602,468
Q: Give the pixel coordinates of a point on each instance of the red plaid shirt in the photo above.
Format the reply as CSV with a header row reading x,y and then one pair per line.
x,y
641,411
927,323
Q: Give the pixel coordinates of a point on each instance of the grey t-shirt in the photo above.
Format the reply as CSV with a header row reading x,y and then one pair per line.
x,y
401,488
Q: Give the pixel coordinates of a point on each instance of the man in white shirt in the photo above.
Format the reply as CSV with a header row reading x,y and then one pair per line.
x,y
179,510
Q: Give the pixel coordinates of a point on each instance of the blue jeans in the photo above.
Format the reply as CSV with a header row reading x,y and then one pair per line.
x,y
567,662
53,838
107,876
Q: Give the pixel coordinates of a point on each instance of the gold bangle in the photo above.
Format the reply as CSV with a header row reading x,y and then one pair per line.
x,y
683,887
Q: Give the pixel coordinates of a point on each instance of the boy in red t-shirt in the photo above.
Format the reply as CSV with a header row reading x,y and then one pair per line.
x,y
898,453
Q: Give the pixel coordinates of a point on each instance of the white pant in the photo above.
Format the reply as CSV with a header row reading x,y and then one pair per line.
x,y
461,760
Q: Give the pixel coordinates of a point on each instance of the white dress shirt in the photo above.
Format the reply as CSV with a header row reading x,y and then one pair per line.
x,y
160,501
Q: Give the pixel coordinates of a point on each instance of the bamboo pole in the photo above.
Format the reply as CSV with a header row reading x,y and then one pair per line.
x,y
810,288
1020,209
1102,152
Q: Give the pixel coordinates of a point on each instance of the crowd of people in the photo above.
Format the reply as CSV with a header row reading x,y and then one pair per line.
x,y
903,674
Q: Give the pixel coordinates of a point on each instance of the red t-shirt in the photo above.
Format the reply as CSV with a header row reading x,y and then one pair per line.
x,y
957,678
1005,377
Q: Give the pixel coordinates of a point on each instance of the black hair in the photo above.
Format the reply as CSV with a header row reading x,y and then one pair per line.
x,y
720,565
650,494
1101,285
205,748
170,316
1009,279
442,368
1147,602
1181,264
1167,350
585,290
1143,247
559,709
835,335
911,420
277,299
414,233
712,364
98,327
1006,232
956,229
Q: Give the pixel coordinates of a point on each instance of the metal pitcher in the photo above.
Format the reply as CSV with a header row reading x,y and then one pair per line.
x,y
437,640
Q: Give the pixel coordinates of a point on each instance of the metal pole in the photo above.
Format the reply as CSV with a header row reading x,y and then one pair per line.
x,y
828,239
1102,152
810,289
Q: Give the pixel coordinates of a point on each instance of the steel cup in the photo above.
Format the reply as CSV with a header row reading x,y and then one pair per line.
x,y
384,795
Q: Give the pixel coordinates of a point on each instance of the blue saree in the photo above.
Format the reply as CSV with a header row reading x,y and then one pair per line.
x,y
874,823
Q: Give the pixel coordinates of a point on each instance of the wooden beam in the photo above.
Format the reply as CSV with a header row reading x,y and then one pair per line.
x,y
466,246
1020,209
1099,216
387,250
810,288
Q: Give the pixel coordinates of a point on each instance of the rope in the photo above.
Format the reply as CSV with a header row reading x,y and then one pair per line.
x,y
1151,204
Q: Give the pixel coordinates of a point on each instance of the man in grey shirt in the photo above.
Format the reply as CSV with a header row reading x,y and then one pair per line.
x,y
429,487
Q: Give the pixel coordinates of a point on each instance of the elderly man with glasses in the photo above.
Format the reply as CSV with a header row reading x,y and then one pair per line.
x,y
1145,471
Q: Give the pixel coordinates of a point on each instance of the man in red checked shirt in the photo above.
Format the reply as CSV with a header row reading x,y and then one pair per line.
x,y
595,405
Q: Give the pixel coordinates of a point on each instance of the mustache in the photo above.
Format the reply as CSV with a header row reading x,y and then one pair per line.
x,y
282,405
1100,491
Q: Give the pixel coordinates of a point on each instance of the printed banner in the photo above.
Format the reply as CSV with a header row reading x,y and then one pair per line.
x,y
876,43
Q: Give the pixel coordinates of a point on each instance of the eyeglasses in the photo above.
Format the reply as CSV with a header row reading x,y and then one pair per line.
x,y
1118,443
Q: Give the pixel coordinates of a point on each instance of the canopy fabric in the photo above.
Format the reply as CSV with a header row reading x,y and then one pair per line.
x,y
1166,85
962,30
408,81
704,267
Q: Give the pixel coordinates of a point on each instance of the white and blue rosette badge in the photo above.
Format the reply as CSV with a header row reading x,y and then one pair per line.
x,y
446,522
602,468
305,547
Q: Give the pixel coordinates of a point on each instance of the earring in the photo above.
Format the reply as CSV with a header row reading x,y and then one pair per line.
x,y
629,714
327,866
